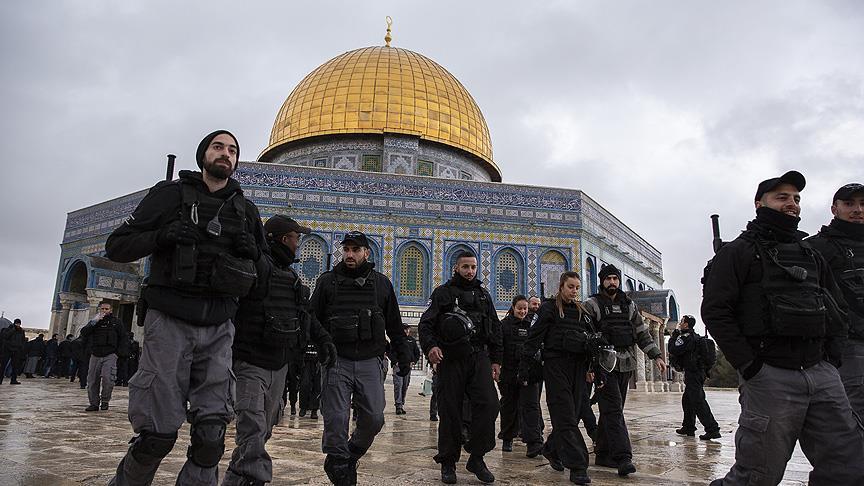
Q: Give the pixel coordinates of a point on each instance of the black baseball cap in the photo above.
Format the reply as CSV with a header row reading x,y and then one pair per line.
x,y
846,192
792,177
281,225
356,237
690,320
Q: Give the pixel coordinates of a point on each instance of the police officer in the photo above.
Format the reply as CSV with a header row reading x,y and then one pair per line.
x,y
272,325
841,242
358,307
561,328
770,303
400,383
460,332
203,237
310,383
520,405
622,326
685,345
12,342
108,339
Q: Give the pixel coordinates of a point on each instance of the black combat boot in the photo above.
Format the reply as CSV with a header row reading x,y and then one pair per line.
x,y
626,468
314,414
302,412
554,462
448,473
534,449
92,408
579,476
293,410
715,434
103,406
507,446
433,417
685,432
476,465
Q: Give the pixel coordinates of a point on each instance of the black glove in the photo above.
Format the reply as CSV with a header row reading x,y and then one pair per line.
x,y
327,354
247,247
404,369
178,231
751,370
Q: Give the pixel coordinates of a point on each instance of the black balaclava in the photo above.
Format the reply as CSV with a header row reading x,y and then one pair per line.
x,y
282,253
853,230
205,142
781,226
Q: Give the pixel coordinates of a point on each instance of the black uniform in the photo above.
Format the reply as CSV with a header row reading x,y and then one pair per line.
x,y
203,246
768,302
686,346
310,381
565,363
12,343
842,245
520,405
466,367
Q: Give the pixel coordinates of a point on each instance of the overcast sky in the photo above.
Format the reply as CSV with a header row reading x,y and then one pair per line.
x,y
664,112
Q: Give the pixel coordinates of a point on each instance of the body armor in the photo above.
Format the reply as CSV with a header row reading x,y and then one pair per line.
x,y
789,299
514,340
354,315
104,337
568,334
615,321
848,269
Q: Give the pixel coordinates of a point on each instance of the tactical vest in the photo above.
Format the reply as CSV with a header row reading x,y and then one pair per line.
x,y
280,319
104,336
353,314
475,303
615,321
789,300
191,267
515,342
850,276
568,334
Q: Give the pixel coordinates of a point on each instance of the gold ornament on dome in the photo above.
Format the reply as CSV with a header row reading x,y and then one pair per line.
x,y
384,89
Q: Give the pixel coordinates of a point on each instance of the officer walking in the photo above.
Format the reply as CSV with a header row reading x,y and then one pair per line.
x,y
203,236
401,383
12,343
561,328
460,332
272,325
841,242
622,326
686,346
358,307
770,303
520,405
107,338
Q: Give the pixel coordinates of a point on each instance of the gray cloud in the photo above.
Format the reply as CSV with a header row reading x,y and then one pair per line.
x,y
662,112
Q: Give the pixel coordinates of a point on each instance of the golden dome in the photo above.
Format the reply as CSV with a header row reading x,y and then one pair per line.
x,y
384,90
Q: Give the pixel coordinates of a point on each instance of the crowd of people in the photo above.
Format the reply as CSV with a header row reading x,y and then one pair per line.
x,y
232,334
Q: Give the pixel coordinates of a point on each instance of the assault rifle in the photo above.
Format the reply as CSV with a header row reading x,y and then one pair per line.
x,y
716,242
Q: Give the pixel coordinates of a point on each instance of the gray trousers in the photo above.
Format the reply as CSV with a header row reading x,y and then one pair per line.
x,y
780,406
400,387
101,374
179,363
259,398
852,374
30,366
364,380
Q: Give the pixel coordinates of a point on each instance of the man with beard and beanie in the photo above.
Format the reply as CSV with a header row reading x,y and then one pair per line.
x,y
272,325
622,327
461,334
401,383
203,237
13,342
107,338
776,312
358,307
689,348
841,242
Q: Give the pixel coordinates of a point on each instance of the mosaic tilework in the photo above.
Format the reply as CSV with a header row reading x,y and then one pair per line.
x,y
412,272
532,270
508,276
313,259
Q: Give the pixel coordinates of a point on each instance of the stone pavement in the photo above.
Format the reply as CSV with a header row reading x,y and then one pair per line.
x,y
46,439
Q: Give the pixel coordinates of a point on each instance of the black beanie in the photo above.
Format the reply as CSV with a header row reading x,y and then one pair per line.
x,y
205,142
690,320
609,270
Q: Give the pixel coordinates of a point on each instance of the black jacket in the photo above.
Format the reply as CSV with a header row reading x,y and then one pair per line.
x,y
36,347
323,296
410,344
64,349
120,343
137,238
51,348
442,302
682,345
13,340
736,265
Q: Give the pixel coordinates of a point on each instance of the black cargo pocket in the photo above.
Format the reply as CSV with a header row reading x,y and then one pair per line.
x,y
750,444
574,341
344,329
250,395
332,375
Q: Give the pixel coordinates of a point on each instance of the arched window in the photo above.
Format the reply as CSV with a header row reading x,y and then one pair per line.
x,y
375,254
313,259
508,275
641,286
552,265
412,272
591,275
673,309
76,280
631,286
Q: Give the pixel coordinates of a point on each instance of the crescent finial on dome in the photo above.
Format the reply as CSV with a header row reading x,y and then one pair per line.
x,y
388,37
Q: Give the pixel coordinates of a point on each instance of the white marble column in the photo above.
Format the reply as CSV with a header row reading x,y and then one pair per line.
x,y
63,322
